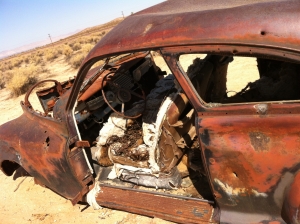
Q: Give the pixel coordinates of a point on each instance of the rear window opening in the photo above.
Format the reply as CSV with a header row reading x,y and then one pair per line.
x,y
227,79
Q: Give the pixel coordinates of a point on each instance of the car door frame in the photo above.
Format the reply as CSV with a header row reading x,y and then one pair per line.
x,y
224,162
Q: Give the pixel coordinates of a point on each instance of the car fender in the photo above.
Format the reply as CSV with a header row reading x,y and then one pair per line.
x,y
9,158
40,145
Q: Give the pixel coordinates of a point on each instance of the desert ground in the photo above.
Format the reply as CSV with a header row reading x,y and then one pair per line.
x,y
24,202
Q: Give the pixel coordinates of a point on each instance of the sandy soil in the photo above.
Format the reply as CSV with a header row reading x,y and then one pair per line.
x,y
24,202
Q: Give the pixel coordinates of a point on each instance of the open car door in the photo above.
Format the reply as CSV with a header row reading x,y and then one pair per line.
x,y
42,147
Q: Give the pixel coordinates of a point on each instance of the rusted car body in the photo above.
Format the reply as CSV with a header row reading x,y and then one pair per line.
x,y
127,136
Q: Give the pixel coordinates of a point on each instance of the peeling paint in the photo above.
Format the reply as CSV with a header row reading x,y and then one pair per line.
x,y
238,191
147,28
259,141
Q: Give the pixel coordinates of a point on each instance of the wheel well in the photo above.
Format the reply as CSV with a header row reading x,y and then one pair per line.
x,y
9,167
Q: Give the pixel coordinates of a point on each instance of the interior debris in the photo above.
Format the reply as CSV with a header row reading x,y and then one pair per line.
x,y
141,126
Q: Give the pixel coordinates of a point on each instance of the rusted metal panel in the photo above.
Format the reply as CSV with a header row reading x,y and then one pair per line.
x,y
82,144
189,22
41,148
118,66
94,87
176,209
250,160
49,96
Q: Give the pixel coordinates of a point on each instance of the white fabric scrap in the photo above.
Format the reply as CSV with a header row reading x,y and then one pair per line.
x,y
152,132
91,196
115,125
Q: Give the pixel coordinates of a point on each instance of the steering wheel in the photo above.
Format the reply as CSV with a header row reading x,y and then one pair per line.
x,y
58,88
123,95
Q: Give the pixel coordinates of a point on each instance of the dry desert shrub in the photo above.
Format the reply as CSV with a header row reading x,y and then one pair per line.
x,y
11,64
4,78
26,59
71,43
87,39
87,48
59,50
2,82
82,40
36,59
22,80
76,46
67,51
76,60
16,62
51,54
96,39
40,53
91,39
3,67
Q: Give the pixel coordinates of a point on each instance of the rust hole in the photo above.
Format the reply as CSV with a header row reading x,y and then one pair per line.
x,y
262,33
47,141
235,174
234,51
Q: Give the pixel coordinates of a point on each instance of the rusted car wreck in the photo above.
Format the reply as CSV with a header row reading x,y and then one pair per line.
x,y
129,136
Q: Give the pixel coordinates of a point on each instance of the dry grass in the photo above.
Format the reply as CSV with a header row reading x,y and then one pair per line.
x,y
50,55
16,62
2,83
89,39
76,46
59,50
40,52
3,67
76,60
22,79
26,59
4,79
36,59
67,51
87,48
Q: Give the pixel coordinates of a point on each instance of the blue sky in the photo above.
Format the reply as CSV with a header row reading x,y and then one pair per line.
x,y
27,21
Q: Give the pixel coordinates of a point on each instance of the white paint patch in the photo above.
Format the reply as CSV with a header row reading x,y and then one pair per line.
x,y
237,191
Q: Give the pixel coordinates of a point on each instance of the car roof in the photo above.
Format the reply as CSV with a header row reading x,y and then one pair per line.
x,y
273,23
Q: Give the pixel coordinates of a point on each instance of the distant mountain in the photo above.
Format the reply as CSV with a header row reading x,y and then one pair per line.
x,y
27,47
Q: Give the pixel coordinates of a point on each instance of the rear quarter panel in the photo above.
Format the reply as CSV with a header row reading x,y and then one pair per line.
x,y
252,160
